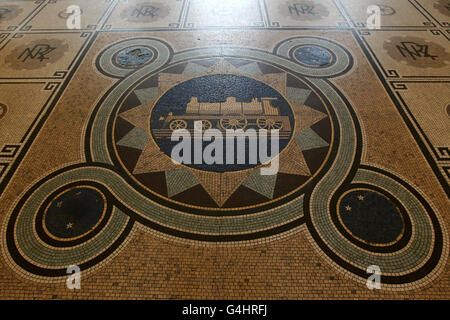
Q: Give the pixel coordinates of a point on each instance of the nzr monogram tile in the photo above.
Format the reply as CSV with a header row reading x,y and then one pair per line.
x,y
299,13
144,14
410,53
41,55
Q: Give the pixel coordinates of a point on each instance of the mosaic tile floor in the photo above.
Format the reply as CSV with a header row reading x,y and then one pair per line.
x,y
90,96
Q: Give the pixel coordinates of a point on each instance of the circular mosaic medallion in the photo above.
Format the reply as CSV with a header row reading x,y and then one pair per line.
x,y
74,213
370,217
254,97
314,56
133,57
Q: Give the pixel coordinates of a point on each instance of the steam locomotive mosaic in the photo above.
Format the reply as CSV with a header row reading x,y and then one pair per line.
x,y
228,115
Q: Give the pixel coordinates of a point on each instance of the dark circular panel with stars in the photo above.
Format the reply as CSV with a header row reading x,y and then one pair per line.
x,y
133,57
370,217
314,56
74,213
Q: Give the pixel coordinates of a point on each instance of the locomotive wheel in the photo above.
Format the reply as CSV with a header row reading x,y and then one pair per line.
x,y
269,124
206,124
233,123
177,124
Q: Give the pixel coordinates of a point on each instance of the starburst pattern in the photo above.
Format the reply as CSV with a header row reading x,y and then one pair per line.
x,y
221,185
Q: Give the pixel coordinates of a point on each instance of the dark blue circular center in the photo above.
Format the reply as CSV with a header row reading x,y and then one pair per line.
x,y
313,56
222,102
134,56
74,213
371,217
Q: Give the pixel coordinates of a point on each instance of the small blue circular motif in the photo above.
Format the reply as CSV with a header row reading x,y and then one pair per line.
x,y
134,56
313,56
